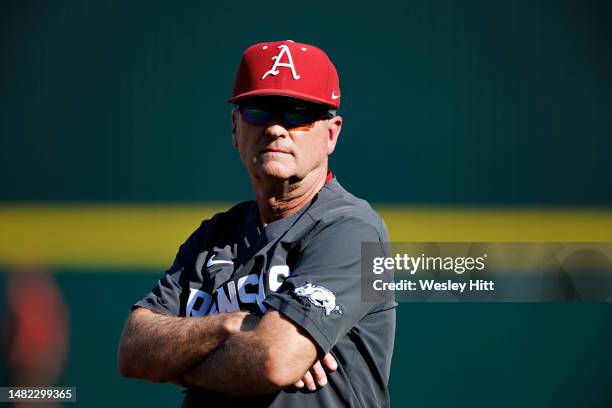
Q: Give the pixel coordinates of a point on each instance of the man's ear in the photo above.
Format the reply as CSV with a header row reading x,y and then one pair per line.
x,y
334,128
234,125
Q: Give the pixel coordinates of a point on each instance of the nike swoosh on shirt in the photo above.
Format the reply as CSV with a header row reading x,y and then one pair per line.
x,y
212,262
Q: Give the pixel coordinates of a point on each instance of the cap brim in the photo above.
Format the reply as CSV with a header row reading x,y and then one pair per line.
x,y
281,92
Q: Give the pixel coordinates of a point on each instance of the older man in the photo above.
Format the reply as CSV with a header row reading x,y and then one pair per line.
x,y
263,304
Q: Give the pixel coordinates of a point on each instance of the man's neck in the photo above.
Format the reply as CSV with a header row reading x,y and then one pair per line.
x,y
280,199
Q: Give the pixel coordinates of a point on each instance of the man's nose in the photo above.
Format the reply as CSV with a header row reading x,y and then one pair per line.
x,y
275,128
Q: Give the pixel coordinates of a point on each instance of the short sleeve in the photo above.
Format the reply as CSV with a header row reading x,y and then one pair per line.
x,y
322,294
165,297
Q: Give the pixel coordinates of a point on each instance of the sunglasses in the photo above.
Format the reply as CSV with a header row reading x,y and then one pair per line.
x,y
291,116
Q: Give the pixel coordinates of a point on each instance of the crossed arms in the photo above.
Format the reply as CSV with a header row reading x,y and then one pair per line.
x,y
268,353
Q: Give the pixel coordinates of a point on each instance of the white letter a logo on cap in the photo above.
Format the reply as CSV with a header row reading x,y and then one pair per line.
x,y
277,63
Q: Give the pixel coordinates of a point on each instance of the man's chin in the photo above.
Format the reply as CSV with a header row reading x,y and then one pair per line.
x,y
274,171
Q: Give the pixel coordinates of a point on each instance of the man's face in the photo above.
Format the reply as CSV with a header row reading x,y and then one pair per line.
x,y
280,146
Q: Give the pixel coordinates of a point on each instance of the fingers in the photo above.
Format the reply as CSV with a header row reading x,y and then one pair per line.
x,y
309,381
318,374
329,362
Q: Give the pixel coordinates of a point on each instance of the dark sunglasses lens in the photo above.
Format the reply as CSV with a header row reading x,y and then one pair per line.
x,y
299,118
291,116
255,116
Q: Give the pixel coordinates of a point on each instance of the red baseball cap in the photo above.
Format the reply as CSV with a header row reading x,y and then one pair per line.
x,y
287,68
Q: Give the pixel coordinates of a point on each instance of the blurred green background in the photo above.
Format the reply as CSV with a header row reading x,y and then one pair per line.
x,y
464,121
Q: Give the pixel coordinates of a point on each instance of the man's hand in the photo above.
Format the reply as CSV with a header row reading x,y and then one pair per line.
x,y
317,375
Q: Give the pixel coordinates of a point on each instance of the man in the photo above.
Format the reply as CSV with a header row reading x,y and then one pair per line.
x,y
263,304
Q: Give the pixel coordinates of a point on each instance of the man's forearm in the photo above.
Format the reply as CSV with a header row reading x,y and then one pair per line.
x,y
159,348
272,356
239,357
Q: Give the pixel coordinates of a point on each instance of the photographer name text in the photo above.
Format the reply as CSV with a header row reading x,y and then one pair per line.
x,y
477,285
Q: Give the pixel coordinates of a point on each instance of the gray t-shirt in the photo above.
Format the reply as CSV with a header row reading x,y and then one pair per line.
x,y
308,267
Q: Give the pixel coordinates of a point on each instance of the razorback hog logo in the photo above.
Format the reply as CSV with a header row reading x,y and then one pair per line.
x,y
319,296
